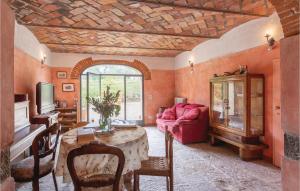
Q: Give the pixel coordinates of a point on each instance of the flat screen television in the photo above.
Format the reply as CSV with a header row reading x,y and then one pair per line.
x,y
45,97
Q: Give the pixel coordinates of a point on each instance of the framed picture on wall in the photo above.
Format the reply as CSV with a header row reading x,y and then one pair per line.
x,y
61,75
68,87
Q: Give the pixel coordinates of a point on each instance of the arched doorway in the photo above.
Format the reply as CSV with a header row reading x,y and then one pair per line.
x,y
95,79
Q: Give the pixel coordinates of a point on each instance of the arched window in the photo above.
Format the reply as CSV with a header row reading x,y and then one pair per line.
x,y
112,69
128,80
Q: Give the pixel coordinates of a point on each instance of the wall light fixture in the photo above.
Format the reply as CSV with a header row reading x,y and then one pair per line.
x,y
43,60
191,64
271,41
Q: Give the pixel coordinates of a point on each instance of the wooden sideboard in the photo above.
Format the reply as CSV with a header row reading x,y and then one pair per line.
x,y
67,117
47,119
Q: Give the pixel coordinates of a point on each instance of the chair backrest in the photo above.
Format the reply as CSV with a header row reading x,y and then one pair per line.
x,y
95,148
169,147
43,145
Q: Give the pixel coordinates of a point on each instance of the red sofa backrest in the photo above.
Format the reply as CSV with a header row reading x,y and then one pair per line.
x,y
181,108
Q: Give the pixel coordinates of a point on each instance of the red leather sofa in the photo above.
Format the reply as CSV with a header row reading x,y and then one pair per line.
x,y
187,122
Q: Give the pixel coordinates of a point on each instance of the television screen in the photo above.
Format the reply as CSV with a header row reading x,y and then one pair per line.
x,y
45,97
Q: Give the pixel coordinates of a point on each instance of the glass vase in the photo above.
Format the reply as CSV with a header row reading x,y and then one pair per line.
x,y
104,123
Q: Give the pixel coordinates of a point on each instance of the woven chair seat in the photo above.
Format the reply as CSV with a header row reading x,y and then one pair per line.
x,y
23,170
97,178
100,178
156,166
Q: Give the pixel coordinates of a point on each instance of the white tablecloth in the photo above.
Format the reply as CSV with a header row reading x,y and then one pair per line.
x,y
132,141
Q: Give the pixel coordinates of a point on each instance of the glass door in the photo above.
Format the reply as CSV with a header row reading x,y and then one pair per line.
x,y
218,102
93,90
83,100
131,95
257,106
236,105
116,83
134,98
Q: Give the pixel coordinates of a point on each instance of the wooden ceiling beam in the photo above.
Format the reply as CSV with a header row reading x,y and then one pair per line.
x,y
201,8
122,31
100,46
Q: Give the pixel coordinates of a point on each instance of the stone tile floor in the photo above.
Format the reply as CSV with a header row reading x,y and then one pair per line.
x,y
197,167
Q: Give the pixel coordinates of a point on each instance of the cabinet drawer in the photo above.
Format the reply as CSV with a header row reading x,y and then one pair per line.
x,y
228,135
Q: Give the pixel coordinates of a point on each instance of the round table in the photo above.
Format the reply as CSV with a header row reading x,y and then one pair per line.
x,y
132,141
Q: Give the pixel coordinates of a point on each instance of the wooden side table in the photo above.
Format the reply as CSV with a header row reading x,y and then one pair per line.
x,y
67,117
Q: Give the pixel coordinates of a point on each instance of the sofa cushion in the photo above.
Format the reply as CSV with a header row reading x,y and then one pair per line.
x,y
169,114
179,111
190,114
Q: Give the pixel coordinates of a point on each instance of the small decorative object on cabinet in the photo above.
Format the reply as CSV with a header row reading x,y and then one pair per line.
x,y
237,112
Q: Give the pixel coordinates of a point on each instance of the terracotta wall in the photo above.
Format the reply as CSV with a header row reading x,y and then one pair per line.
x,y
290,99
195,86
69,97
28,72
159,91
7,22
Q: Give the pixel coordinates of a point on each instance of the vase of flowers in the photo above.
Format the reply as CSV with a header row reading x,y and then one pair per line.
x,y
106,106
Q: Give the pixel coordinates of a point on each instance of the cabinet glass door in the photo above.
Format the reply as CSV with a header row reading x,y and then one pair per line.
x,y
236,104
218,97
257,106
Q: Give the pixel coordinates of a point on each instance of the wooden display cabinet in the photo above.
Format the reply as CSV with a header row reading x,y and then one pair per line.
x,y
237,112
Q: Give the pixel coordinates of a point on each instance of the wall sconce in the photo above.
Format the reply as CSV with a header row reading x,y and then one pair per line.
x,y
271,41
43,60
191,64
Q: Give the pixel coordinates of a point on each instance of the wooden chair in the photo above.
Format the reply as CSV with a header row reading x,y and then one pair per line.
x,y
101,180
158,166
41,163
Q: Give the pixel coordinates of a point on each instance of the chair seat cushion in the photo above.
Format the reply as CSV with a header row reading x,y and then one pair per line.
x,y
89,179
23,170
157,166
97,178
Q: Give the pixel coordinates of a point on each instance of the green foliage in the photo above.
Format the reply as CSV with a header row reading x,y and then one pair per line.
x,y
133,87
106,106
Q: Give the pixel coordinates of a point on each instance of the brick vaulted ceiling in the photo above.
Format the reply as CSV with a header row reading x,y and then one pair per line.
x,y
127,27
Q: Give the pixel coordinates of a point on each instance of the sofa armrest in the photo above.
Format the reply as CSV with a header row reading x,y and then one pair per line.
x,y
186,122
204,113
